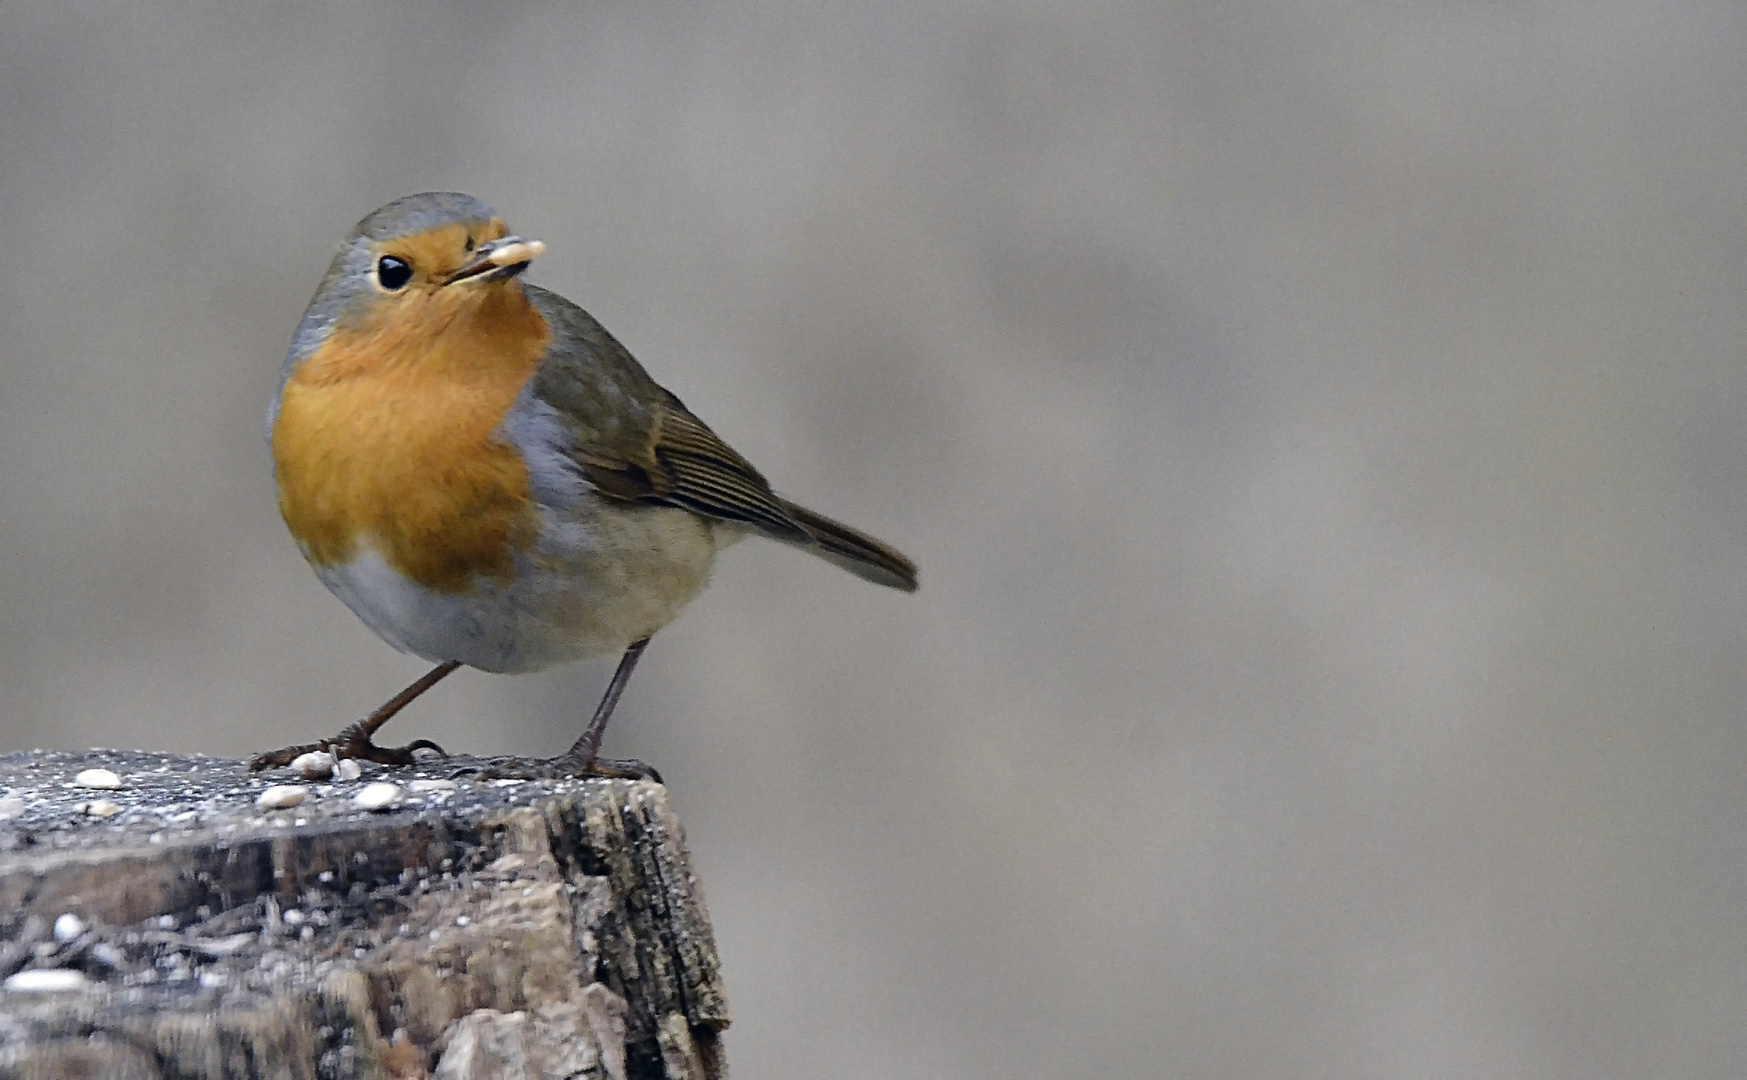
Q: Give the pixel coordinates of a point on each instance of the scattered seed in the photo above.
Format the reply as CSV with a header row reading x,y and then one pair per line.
x,y
348,769
45,982
99,808
225,946
377,796
281,796
101,779
68,927
315,765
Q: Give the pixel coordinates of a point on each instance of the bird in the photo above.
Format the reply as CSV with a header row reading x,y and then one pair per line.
x,y
487,478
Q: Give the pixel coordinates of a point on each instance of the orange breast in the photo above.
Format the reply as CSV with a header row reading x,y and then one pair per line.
x,y
385,437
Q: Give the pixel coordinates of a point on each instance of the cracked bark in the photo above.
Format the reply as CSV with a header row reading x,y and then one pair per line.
x,y
498,930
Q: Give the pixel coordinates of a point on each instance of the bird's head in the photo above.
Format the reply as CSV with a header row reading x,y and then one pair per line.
x,y
415,266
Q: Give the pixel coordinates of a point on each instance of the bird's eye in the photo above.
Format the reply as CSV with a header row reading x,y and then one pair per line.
x,y
393,273
468,247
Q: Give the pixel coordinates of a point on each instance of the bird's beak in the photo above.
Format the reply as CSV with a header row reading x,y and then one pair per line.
x,y
499,259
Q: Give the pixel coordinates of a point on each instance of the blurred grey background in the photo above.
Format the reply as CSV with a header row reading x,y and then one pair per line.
x,y
1320,427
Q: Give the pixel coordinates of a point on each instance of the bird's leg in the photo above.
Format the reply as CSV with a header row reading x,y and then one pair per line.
x,y
354,741
582,759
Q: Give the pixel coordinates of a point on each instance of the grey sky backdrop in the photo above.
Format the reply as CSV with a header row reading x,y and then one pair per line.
x,y
1320,427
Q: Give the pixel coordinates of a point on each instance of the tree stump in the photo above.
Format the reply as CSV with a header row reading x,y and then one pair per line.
x,y
175,927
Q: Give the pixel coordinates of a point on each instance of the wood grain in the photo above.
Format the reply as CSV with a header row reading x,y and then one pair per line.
x,y
498,930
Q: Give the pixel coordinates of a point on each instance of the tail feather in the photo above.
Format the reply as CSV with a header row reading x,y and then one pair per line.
x,y
856,552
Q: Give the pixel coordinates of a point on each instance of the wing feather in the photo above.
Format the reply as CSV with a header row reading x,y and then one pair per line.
x,y
635,441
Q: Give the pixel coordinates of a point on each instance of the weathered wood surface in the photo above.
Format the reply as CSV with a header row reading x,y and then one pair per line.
x,y
497,930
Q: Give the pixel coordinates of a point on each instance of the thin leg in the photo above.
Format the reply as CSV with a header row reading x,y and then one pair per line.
x,y
582,759
354,740
588,745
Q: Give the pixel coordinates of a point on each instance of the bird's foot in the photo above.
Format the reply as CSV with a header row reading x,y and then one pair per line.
x,y
562,767
350,743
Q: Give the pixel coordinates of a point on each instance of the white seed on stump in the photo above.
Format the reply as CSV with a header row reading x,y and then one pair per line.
x,y
315,765
45,982
281,796
377,796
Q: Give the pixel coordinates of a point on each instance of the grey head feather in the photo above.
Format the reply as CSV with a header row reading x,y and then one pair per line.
x,y
348,276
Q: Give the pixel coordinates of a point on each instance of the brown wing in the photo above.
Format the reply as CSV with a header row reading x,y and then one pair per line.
x,y
634,440
684,464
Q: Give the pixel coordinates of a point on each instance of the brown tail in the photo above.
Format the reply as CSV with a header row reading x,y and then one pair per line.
x,y
856,552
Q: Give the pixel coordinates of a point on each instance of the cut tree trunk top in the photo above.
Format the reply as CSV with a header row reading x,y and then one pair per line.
x,y
174,927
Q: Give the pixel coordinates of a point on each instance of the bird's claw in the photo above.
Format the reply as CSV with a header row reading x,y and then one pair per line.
x,y
350,743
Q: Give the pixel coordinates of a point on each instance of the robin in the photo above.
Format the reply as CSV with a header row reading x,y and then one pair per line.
x,y
486,477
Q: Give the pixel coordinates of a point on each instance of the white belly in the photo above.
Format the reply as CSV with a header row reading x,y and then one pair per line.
x,y
597,580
